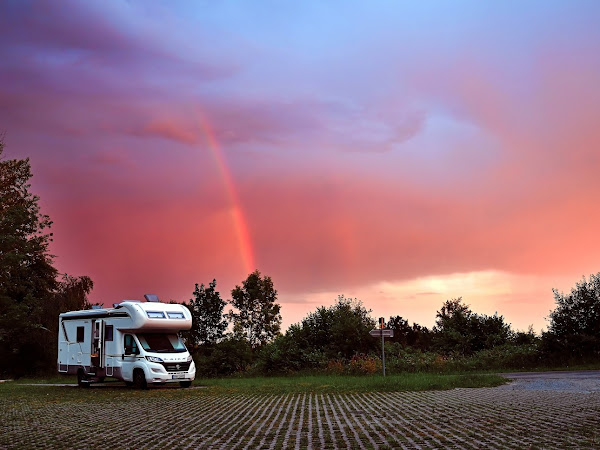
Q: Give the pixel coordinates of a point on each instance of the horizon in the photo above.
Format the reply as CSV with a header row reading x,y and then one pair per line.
x,y
402,154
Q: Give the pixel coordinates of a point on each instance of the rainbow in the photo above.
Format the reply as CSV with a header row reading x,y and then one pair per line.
x,y
237,213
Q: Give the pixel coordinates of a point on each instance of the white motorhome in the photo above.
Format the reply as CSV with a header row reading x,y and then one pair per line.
x,y
134,341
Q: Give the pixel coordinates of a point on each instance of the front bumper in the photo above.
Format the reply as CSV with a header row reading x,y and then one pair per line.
x,y
160,374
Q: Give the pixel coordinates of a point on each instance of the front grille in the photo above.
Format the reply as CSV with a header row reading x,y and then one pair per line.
x,y
177,367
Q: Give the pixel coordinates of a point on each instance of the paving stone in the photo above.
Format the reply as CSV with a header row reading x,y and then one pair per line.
x,y
460,418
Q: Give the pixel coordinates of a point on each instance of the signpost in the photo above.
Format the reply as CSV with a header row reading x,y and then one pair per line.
x,y
383,334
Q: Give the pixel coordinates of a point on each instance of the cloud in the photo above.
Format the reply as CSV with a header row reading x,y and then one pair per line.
x,y
441,146
170,130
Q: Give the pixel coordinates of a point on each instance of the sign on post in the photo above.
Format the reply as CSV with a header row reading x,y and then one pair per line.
x,y
382,333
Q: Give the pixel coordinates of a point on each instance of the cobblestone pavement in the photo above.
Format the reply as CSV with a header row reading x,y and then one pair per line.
x,y
502,417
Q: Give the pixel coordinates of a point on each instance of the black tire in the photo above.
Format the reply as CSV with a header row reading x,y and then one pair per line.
x,y
82,379
139,379
185,384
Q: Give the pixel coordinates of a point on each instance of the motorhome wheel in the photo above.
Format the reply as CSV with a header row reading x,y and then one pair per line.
x,y
139,379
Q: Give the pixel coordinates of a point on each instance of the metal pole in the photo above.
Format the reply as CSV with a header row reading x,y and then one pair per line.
x,y
382,350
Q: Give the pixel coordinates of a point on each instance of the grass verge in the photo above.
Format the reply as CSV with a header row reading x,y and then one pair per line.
x,y
339,384
263,385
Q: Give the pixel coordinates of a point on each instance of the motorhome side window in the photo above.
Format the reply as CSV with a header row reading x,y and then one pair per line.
x,y
108,333
80,336
130,345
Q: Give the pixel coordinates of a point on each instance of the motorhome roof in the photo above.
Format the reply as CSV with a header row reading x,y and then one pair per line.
x,y
93,314
147,316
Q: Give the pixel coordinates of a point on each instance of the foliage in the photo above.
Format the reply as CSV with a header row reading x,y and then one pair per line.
x,y
71,294
26,273
30,295
365,365
258,318
460,331
208,324
575,323
284,355
416,336
338,331
227,357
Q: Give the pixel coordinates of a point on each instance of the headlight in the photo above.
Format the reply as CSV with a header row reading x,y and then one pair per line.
x,y
189,358
154,359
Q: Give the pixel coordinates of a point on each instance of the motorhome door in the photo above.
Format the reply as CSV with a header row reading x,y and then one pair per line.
x,y
97,350
130,356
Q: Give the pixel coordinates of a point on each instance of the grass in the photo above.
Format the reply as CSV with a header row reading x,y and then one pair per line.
x,y
344,384
268,385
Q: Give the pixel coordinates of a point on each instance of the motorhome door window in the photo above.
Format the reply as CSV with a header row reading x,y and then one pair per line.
x,y
80,335
108,333
130,345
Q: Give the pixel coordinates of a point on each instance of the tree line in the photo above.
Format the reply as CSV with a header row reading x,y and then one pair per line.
x,y
248,338
336,338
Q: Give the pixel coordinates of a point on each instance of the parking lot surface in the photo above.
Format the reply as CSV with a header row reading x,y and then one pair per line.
x,y
555,412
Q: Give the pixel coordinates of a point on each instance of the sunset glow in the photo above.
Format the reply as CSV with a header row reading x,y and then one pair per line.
x,y
404,153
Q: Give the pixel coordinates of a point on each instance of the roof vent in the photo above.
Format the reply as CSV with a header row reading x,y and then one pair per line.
x,y
96,306
116,305
151,298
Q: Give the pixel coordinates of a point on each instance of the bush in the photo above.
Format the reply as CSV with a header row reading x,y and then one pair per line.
x,y
364,365
230,356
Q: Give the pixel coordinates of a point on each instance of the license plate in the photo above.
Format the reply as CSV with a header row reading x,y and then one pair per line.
x,y
178,376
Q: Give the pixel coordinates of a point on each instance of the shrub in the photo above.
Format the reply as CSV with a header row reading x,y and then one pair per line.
x,y
232,355
363,364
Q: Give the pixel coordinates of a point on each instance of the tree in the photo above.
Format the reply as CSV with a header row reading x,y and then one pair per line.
x,y
575,323
208,323
459,330
416,336
27,276
339,331
30,295
258,318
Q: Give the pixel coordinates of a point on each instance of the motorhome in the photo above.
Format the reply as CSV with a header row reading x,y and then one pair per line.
x,y
134,341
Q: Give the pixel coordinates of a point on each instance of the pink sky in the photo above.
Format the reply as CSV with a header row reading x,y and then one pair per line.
x,y
403,154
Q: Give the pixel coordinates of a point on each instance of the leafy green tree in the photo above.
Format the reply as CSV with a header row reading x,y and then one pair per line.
x,y
30,295
258,317
461,331
208,323
27,277
417,336
575,322
339,331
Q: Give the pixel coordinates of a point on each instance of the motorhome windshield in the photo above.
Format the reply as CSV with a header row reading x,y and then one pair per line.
x,y
161,342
